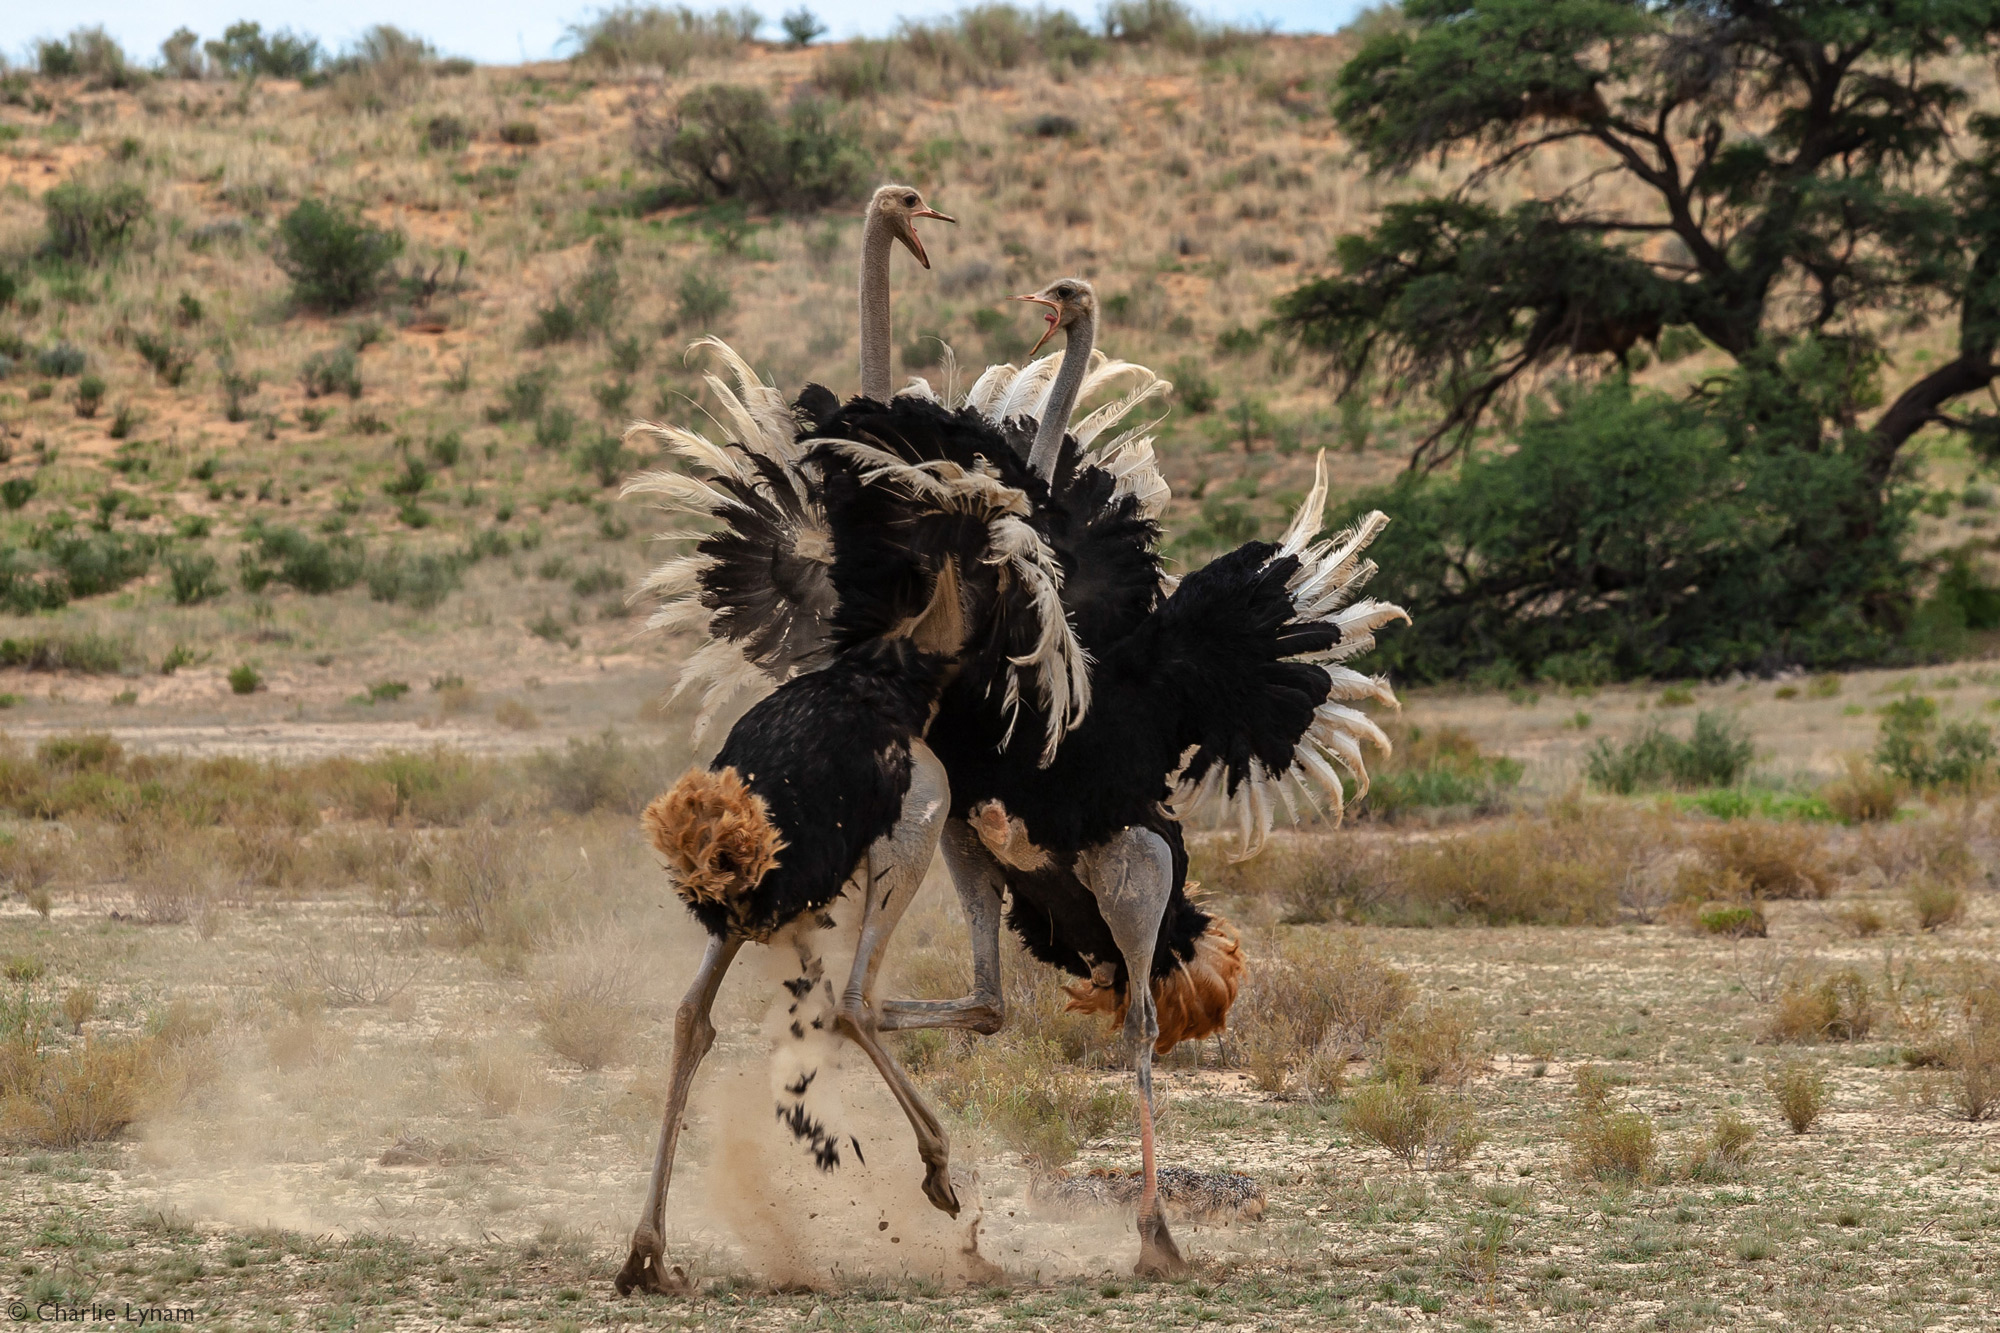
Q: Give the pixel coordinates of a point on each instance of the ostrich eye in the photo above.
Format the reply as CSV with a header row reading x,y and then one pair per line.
x,y
911,201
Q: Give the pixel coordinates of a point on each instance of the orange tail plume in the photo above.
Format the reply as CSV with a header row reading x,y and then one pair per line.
x,y
1192,1002
716,835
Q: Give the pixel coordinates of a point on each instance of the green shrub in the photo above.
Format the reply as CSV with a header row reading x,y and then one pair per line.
x,y
605,456
337,371
523,397
420,583
86,223
97,562
244,51
335,261
90,395
169,360
288,556
1800,1091
1716,754
602,773
1664,537
447,133
802,26
1024,1092
554,428
659,37
89,53
701,299
17,491
1734,920
61,360
1439,767
245,679
192,578
724,142
88,654
1413,1123
1911,746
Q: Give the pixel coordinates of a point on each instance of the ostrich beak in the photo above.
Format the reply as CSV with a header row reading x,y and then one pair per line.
x,y
906,232
1054,316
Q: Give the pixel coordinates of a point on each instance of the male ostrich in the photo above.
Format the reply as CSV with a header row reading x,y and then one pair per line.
x,y
1204,683
827,781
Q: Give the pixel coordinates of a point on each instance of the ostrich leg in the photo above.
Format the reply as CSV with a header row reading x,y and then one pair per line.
x,y
904,855
976,876
1132,877
693,1035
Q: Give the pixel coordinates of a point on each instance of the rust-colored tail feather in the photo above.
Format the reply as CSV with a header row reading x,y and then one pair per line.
x,y
1192,1002
716,835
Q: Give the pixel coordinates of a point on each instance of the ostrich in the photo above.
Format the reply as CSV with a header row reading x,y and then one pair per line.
x,y
1201,683
892,215
827,781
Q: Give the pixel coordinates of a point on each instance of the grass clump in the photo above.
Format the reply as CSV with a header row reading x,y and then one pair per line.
x,y
1305,1012
1440,767
1865,794
1736,921
1716,753
1837,1007
335,261
1435,1042
1759,859
1800,1091
660,37
1723,1152
88,223
1936,903
88,654
1417,1125
245,679
585,1009
1607,1143
1023,1091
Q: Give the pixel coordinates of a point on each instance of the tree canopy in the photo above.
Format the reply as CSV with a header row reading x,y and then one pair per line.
x,y
1772,174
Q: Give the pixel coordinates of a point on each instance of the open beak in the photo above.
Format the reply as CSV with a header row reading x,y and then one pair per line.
x,y
907,232
1054,313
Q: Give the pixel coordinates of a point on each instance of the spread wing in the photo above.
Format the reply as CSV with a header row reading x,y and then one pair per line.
x,y
756,582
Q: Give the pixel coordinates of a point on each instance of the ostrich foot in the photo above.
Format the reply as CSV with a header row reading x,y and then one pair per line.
x,y
937,1186
1158,1255
646,1268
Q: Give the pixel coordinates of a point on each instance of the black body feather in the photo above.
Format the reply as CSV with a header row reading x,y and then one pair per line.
x,y
829,752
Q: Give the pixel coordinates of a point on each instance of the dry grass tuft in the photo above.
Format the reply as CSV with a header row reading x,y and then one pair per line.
x,y
1837,1007
1975,1048
1800,1090
355,972
1606,1143
1436,1042
1865,794
1020,1089
1723,1152
305,1041
1758,858
1414,1123
1863,920
1318,1000
66,1098
501,1079
586,1007
1936,903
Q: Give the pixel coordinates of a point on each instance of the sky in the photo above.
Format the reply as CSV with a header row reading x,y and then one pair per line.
x,y
510,31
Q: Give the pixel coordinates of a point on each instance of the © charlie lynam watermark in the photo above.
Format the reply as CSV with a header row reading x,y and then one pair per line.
x,y
51,1312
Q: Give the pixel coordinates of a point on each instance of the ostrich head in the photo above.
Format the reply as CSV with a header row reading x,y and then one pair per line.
x,y
1070,301
900,206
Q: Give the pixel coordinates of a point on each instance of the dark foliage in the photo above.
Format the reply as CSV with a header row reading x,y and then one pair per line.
x,y
725,142
335,261
87,223
245,51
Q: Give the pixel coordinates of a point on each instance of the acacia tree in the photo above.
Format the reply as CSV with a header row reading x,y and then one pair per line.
x,y
1774,175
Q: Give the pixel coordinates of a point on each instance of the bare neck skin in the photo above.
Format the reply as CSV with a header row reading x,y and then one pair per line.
x,y
1062,398
876,239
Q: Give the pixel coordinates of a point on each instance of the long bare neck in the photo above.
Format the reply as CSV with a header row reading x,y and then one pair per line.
x,y
876,238
1062,397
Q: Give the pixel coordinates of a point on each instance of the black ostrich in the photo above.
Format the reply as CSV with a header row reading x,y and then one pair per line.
x,y
1229,684
827,781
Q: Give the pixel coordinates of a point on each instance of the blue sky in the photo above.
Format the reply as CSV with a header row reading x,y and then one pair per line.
x,y
506,31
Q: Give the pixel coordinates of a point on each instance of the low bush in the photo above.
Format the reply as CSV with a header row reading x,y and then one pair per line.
x,y
1318,1000
700,299
245,51
1936,903
331,372
286,555
1436,1042
87,654
1758,859
1414,1123
1716,754
191,578
585,1007
725,142
245,679
602,773
1837,1007
420,582
169,359
1439,767
1022,1090
1864,794
1724,1152
1736,921
1607,1143
1800,1091
659,37
335,260
88,53
88,223
1914,748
